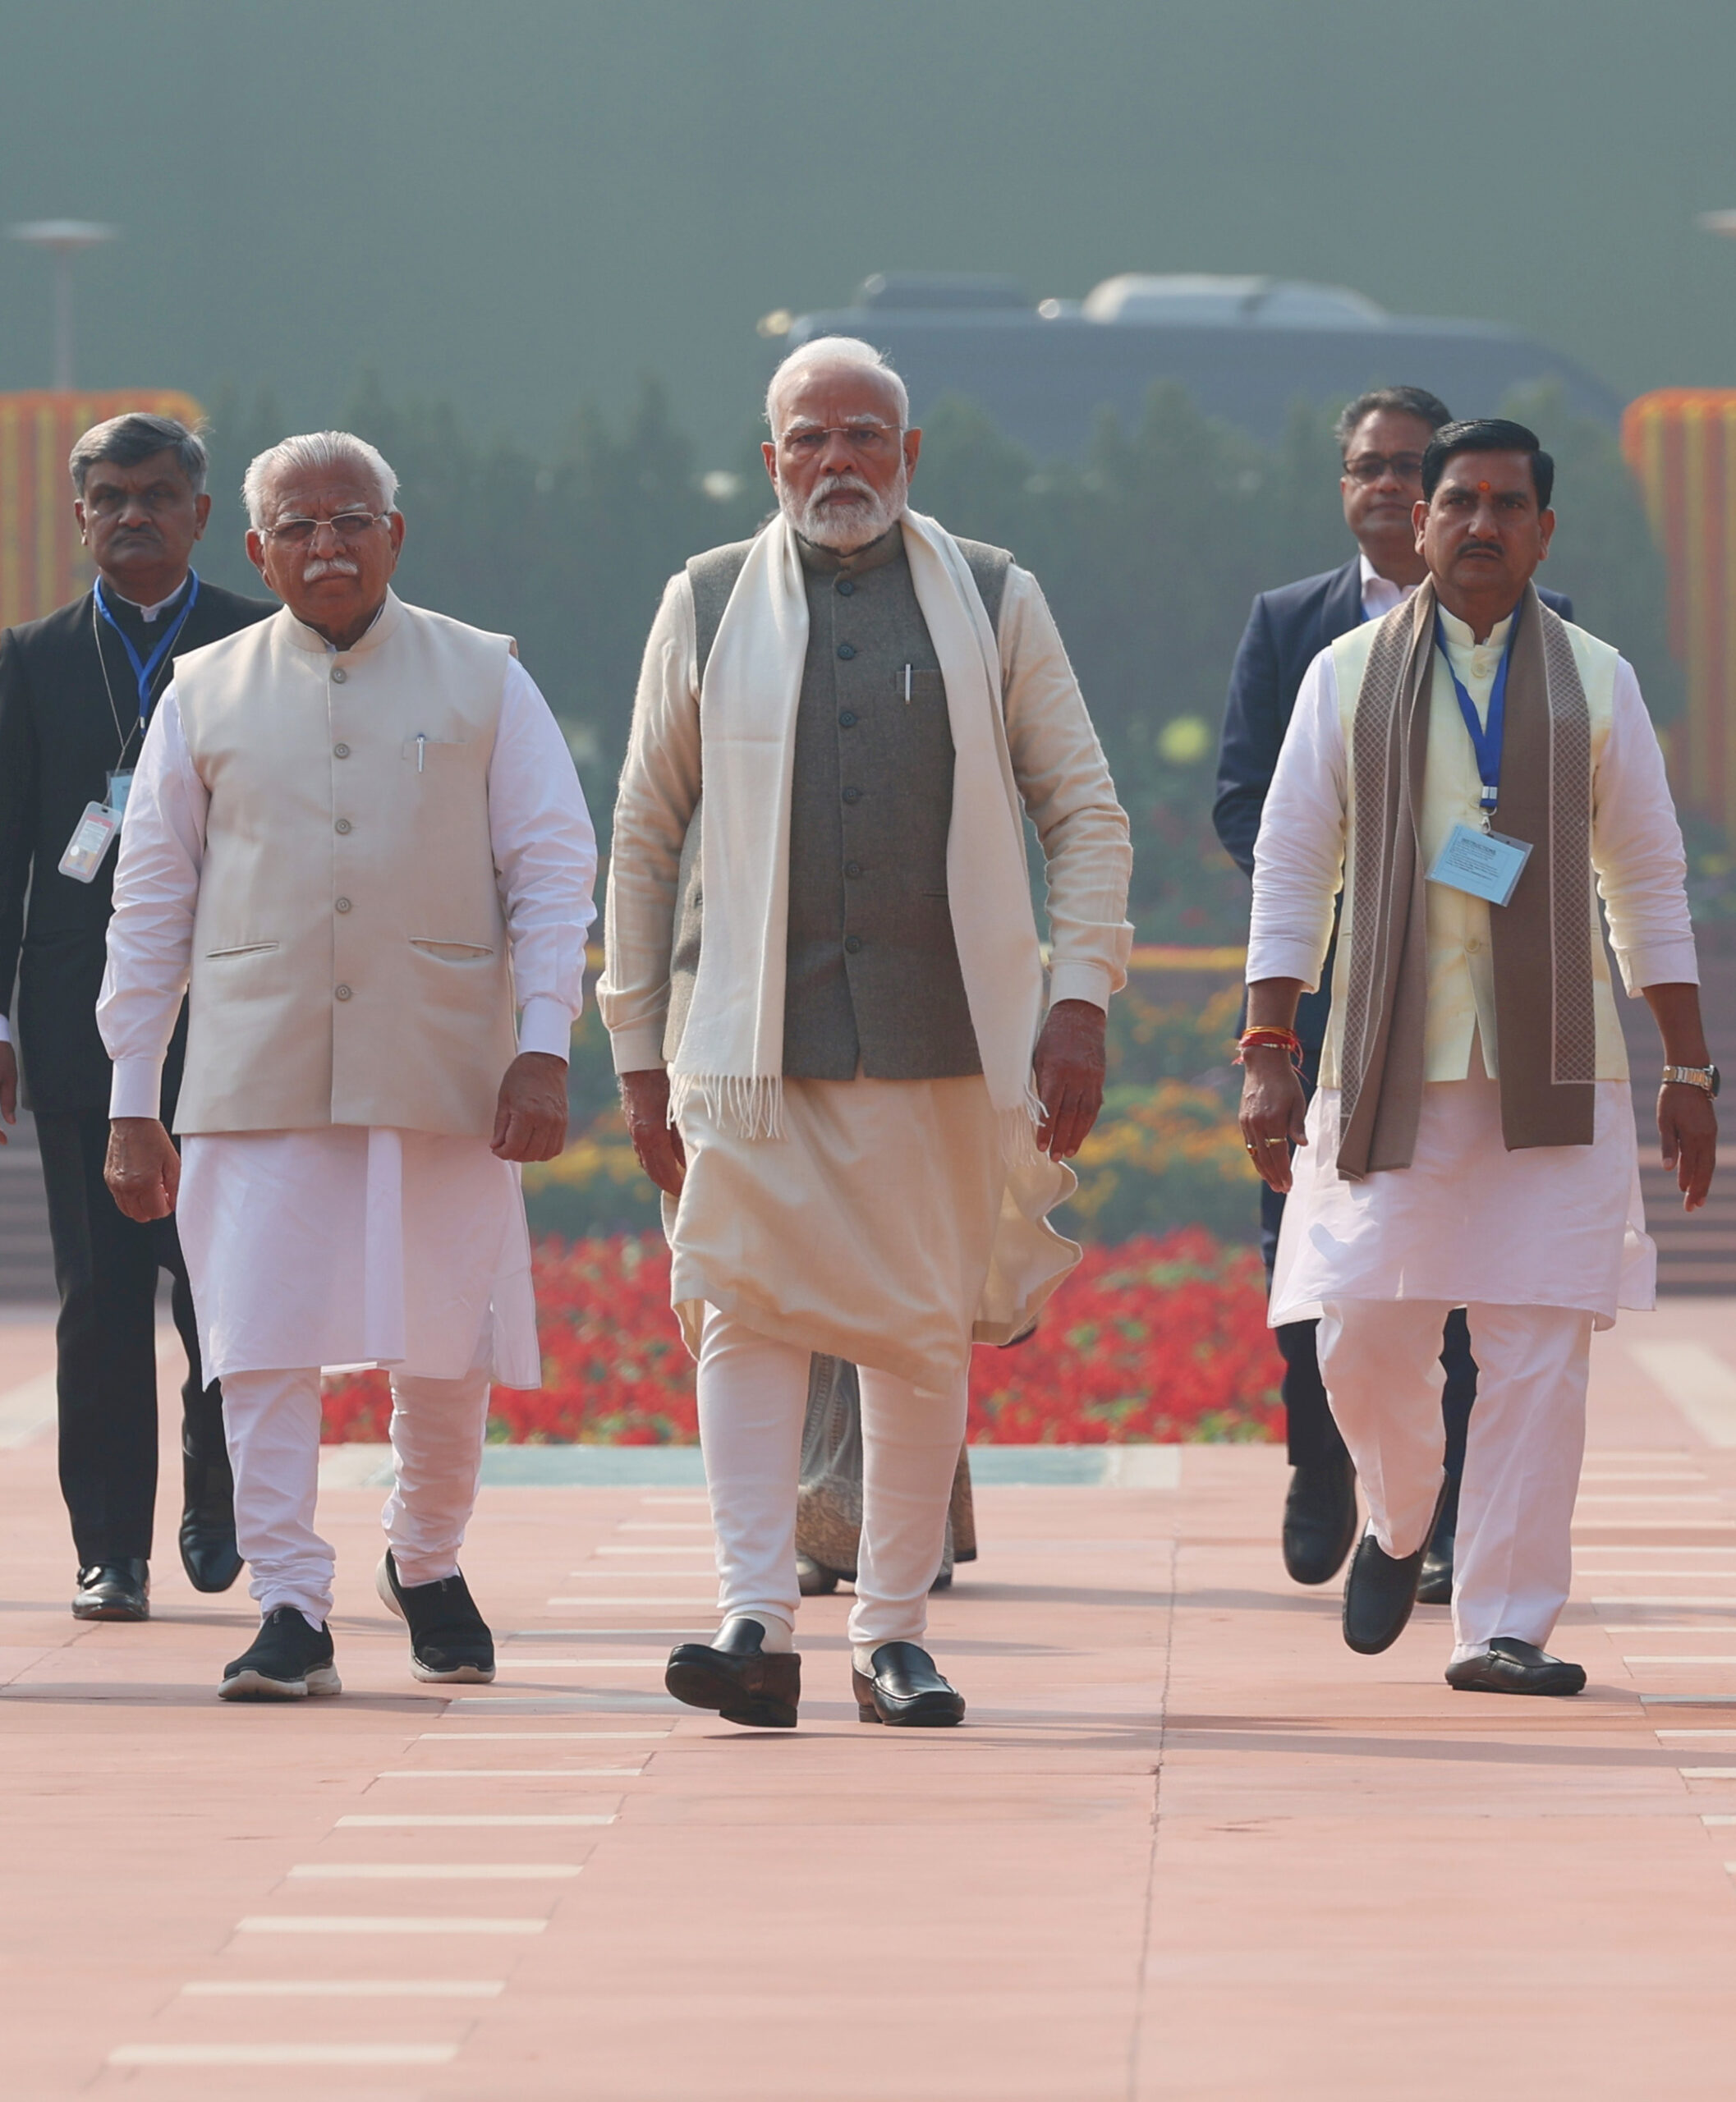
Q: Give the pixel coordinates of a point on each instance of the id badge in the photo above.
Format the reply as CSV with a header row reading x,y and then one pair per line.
x,y
90,842
1487,865
120,788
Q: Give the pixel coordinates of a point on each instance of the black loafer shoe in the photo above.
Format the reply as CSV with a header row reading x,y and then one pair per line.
x,y
1434,1587
1511,1666
449,1638
744,1683
906,1691
815,1579
209,1553
113,1590
288,1661
1319,1520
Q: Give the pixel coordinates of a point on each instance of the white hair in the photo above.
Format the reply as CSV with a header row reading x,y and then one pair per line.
x,y
316,450
825,351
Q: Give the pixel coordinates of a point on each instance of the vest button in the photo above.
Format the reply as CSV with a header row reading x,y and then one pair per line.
x,y
342,824
852,942
853,868
847,718
340,752
852,794
343,905
343,992
338,675
846,650
845,587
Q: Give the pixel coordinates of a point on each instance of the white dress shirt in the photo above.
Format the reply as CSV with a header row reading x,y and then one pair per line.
x,y
1379,593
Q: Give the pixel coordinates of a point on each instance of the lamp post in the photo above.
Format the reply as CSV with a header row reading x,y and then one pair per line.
x,y
63,239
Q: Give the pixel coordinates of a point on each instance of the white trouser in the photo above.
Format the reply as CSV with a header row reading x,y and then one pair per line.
x,y
1512,1558
753,1394
272,1419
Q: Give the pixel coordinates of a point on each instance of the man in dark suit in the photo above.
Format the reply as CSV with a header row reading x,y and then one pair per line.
x,y
77,690
1381,437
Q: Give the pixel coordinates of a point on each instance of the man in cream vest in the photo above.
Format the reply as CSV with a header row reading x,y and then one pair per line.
x,y
355,839
827,1004
1476,771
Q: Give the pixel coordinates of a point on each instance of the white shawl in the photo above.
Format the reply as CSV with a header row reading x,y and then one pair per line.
x,y
731,1048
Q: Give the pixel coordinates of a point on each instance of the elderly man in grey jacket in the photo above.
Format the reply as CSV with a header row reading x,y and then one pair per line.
x,y
827,1003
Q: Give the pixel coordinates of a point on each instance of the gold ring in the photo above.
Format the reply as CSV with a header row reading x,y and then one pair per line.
x,y
1278,1142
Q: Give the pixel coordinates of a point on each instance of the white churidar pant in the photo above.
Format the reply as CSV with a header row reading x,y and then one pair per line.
x,y
272,1419
753,1394
1513,1560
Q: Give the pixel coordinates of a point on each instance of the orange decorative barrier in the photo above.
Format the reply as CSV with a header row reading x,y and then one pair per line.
x,y
1681,444
42,565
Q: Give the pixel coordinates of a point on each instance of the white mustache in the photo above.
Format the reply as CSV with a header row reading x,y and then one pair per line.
x,y
842,485
330,566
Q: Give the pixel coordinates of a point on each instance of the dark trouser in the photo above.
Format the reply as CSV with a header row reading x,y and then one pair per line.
x,y
1314,1438
106,1266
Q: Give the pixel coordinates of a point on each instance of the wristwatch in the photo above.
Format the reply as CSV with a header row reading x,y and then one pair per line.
x,y
1706,1077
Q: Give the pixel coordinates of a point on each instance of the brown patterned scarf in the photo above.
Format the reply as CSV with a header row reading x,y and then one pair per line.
x,y
1546,1023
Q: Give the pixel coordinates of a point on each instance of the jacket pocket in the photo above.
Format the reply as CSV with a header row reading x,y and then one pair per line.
x,y
242,948
450,952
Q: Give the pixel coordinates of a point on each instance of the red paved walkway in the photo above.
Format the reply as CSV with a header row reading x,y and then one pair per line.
x,y
1187,1847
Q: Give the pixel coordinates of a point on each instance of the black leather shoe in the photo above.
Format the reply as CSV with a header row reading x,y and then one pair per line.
x,y
815,1579
288,1661
906,1691
113,1590
1434,1585
209,1553
1511,1666
745,1683
1378,1594
449,1638
1319,1520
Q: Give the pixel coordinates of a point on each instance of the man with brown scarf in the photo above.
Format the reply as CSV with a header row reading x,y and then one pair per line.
x,y
1476,771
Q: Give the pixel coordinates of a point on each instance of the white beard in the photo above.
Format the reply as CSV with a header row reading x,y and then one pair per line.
x,y
843,527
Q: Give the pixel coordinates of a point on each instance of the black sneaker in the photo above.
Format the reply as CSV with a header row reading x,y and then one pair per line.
x,y
449,1638
288,1661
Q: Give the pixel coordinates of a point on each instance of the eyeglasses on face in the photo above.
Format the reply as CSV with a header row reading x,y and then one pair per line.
x,y
301,532
1369,468
809,441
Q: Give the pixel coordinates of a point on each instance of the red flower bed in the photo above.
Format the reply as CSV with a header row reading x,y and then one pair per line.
x,y
1156,1339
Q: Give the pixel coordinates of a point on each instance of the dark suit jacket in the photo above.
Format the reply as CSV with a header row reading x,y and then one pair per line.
x,y
1286,631
58,743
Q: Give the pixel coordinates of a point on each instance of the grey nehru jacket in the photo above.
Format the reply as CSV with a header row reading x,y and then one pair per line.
x,y
873,982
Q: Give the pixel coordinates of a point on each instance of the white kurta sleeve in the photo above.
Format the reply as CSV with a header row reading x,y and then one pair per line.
x,y
655,805
545,858
1065,784
1636,850
150,937
1299,853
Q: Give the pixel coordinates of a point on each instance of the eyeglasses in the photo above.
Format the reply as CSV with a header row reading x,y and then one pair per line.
x,y
1369,468
866,439
301,532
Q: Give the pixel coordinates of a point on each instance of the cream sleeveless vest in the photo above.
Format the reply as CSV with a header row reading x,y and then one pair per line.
x,y
350,960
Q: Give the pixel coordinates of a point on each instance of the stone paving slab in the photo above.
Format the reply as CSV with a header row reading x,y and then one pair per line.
x,y
1187,1847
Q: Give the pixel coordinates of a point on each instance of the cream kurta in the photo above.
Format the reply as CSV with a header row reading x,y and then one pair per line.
x,y
884,1226
1468,1221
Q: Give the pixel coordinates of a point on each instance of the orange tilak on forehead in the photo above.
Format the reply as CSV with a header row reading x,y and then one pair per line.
x,y
1483,488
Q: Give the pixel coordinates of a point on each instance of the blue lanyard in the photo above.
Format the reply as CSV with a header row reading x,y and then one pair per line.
x,y
1484,741
145,672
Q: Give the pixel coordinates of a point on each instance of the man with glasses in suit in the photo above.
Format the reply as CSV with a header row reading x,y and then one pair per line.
x,y
77,691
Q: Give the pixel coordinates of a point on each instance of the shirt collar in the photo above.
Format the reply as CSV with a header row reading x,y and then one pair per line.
x,y
378,631
149,613
1460,640
1378,590
828,562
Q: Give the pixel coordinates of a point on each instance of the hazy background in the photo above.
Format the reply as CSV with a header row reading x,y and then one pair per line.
x,y
522,205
